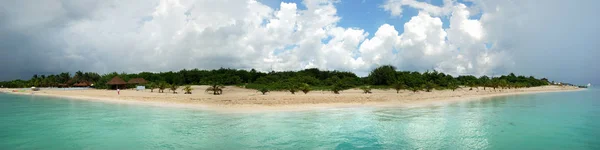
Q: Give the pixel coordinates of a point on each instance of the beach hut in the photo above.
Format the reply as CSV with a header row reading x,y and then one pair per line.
x,y
117,82
82,84
62,85
138,82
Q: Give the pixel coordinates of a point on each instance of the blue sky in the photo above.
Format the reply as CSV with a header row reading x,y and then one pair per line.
x,y
366,15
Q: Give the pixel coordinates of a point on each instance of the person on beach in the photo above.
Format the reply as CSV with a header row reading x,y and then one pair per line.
x,y
118,91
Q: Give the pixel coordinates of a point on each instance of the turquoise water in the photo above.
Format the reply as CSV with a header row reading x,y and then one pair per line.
x,y
568,120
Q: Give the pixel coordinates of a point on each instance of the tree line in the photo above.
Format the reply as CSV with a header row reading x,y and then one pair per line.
x,y
308,79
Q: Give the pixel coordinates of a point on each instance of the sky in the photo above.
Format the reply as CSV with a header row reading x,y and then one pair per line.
x,y
555,39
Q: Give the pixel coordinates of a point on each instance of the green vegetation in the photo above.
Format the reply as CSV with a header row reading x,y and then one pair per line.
x,y
215,88
263,90
305,88
162,86
366,89
384,77
293,88
453,85
337,88
174,88
151,86
399,85
429,86
188,89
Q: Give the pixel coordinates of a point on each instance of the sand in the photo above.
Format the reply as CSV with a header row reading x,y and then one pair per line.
x,y
235,99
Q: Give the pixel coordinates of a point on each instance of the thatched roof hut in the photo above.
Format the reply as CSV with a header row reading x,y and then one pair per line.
x,y
116,81
137,81
82,84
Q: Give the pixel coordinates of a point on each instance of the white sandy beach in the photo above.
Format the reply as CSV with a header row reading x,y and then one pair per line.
x,y
240,99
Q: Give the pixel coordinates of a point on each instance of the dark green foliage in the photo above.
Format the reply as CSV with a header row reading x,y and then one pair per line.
x,y
415,81
415,88
384,75
293,88
485,82
151,86
381,77
263,90
429,86
336,89
399,85
452,85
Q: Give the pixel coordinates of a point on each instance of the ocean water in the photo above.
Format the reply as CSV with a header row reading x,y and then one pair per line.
x,y
566,120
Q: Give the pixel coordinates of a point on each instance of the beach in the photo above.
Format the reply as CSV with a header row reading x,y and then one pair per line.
x,y
241,99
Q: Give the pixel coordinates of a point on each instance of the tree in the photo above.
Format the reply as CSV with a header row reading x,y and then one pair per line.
x,y
263,90
162,86
293,88
305,88
174,88
337,88
64,77
429,86
399,85
188,89
453,86
415,81
215,88
78,76
503,83
415,89
151,86
384,75
484,81
366,89
472,84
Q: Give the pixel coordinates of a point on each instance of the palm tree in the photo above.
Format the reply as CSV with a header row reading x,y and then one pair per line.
x,y
188,89
151,86
472,84
217,89
366,89
305,88
162,86
503,83
399,86
174,88
453,86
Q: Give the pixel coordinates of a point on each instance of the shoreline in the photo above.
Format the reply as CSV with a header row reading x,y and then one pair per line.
x,y
244,100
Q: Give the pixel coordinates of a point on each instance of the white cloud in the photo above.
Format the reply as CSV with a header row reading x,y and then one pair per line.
x,y
395,7
164,35
173,34
459,49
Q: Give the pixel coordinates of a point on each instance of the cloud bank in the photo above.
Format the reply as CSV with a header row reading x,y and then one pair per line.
x,y
164,35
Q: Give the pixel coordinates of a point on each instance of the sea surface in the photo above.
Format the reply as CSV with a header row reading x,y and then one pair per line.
x,y
565,120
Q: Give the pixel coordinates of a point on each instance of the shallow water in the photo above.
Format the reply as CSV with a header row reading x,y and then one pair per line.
x,y
567,120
